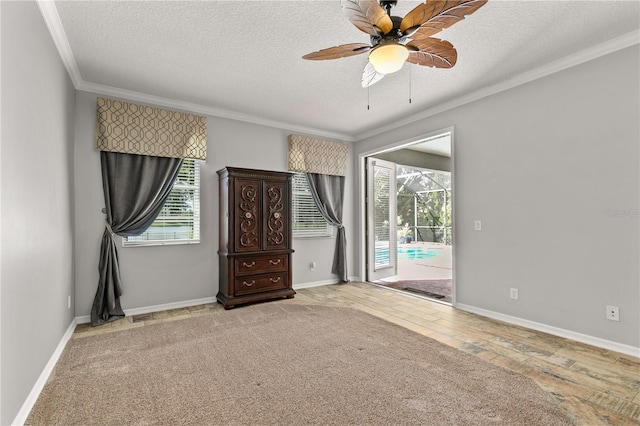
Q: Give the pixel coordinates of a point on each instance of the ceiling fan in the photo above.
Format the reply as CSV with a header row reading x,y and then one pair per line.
x,y
396,40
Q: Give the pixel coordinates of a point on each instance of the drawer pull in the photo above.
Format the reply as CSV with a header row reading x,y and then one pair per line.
x,y
274,280
249,284
274,262
248,265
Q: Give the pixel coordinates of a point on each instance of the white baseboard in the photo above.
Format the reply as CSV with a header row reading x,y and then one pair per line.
x,y
148,309
321,283
22,415
560,332
314,284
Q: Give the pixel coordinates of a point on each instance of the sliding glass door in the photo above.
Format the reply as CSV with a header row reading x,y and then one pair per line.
x,y
382,220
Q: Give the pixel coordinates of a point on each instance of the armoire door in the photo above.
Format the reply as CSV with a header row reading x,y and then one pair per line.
x,y
276,215
247,215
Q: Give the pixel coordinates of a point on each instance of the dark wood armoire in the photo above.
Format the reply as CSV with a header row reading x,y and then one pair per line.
x,y
255,236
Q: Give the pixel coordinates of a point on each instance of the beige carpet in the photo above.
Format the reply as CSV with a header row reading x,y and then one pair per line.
x,y
282,363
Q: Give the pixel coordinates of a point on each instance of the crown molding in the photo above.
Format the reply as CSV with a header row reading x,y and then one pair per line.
x,y
52,20
594,52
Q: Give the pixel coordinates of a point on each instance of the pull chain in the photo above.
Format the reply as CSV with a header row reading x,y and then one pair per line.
x,y
368,98
409,83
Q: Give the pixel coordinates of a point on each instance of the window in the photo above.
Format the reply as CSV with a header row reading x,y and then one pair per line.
x,y
307,220
179,219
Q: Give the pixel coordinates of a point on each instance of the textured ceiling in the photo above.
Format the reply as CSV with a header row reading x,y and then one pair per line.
x,y
243,58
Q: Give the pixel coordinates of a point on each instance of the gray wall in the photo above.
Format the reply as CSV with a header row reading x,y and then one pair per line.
x,y
407,157
167,274
543,165
37,199
547,167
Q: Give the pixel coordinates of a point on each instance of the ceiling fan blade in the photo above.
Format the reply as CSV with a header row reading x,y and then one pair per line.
x,y
368,16
432,52
370,76
432,17
336,52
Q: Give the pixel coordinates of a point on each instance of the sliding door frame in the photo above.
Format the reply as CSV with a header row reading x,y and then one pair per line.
x,y
362,193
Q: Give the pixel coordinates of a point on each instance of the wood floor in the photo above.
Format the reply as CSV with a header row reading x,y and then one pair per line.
x,y
595,386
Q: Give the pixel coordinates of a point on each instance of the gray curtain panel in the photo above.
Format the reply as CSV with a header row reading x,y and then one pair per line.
x,y
135,189
328,193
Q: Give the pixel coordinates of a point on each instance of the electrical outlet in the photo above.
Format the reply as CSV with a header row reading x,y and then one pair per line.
x,y
613,313
312,266
513,293
69,302
477,225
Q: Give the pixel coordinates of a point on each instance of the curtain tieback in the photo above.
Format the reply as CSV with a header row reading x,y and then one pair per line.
x,y
109,229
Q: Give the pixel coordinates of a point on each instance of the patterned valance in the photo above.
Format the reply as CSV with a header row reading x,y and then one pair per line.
x,y
311,155
146,130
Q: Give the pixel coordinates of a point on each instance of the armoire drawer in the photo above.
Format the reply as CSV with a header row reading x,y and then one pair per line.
x,y
258,283
259,265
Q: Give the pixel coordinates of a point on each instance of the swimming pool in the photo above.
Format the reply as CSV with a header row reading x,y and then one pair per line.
x,y
416,253
411,253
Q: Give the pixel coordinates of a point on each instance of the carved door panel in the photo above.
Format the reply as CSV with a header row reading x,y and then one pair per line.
x,y
276,215
247,215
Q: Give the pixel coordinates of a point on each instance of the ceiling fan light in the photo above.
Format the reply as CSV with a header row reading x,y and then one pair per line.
x,y
388,58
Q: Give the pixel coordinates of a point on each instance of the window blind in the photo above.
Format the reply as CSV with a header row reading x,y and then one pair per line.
x,y
179,219
307,221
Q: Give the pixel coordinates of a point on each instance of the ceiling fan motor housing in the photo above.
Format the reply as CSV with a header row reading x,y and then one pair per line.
x,y
394,35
